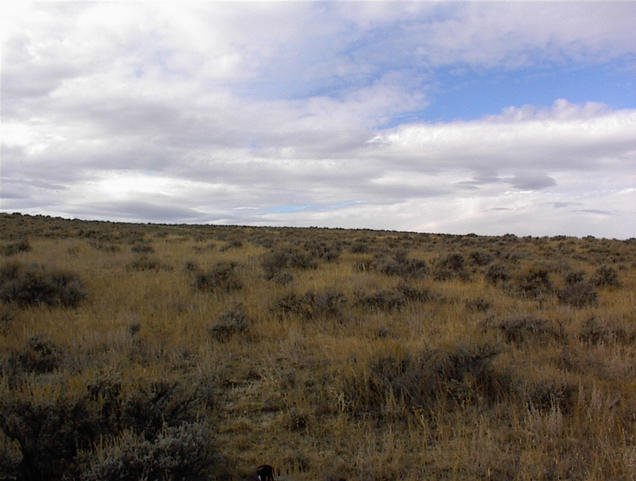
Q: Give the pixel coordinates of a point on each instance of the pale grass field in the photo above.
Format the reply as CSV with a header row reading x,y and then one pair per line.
x,y
304,393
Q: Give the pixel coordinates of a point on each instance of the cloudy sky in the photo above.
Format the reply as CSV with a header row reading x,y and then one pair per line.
x,y
489,118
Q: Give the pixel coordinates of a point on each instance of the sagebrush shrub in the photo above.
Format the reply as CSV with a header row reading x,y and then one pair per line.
x,y
359,246
37,356
415,294
605,276
151,407
222,277
144,263
288,257
16,247
532,282
312,304
481,258
57,433
399,264
142,249
548,393
328,252
522,329
49,432
579,294
35,285
55,436
383,299
105,246
462,373
283,278
233,244
598,331
497,273
9,458
233,321
7,315
180,453
450,266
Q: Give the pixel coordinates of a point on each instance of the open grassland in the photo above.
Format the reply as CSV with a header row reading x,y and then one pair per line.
x,y
165,352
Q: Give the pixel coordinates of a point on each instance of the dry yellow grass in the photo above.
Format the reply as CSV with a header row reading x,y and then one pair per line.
x,y
471,380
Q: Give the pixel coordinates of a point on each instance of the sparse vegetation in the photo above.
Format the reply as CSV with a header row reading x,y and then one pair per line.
x,y
167,352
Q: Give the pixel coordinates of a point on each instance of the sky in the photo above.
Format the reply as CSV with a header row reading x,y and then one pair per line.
x,y
446,117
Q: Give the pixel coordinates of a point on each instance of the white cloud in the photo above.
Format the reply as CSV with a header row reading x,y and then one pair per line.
x,y
224,111
511,33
